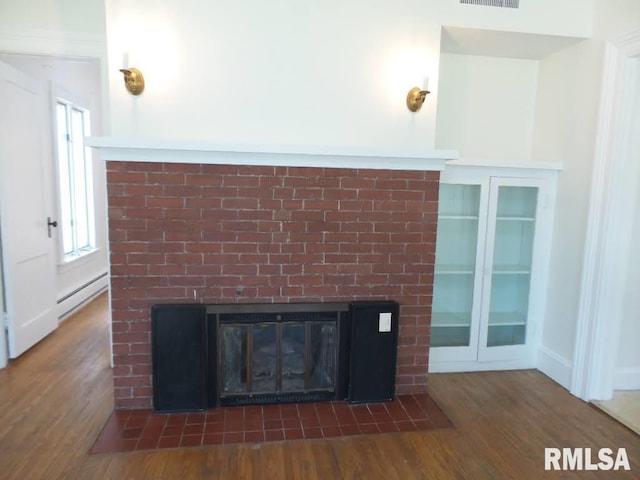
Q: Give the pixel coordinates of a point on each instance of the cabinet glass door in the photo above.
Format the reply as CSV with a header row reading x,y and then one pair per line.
x,y
515,222
456,252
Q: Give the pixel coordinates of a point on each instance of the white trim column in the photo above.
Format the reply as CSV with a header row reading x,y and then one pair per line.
x,y
613,200
4,354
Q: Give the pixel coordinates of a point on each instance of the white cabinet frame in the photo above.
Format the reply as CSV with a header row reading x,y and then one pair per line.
x,y
477,355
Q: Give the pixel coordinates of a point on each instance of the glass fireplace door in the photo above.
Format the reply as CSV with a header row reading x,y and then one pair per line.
x,y
280,359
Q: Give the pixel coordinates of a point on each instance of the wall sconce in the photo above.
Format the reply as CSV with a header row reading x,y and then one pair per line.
x,y
416,97
133,80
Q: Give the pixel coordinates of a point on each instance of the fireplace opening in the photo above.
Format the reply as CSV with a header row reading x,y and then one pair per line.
x,y
276,353
273,357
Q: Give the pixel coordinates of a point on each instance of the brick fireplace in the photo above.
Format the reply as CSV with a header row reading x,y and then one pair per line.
x,y
219,233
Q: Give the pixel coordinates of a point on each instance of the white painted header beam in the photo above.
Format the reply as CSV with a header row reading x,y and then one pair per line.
x,y
261,155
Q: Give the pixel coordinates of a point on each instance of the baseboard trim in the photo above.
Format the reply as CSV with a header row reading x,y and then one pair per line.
x,y
627,379
473,366
554,366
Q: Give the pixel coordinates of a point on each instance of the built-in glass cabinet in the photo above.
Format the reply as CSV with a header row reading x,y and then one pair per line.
x,y
491,262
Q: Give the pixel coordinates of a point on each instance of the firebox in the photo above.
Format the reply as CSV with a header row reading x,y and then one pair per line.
x,y
280,353
242,354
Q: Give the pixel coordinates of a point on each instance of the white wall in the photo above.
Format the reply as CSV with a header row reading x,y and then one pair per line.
x,y
70,16
251,73
486,106
332,73
564,130
82,79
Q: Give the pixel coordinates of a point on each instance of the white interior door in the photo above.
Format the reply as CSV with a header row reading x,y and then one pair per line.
x,y
28,250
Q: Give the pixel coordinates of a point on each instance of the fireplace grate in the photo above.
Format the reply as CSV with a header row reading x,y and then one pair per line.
x,y
232,401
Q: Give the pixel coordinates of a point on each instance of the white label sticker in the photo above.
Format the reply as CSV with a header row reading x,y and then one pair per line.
x,y
384,322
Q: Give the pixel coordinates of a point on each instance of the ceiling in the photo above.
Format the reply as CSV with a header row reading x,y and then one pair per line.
x,y
491,43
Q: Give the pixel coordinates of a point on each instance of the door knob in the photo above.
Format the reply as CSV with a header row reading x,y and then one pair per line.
x,y
51,223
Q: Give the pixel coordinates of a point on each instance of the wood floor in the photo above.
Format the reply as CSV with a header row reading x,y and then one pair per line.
x,y
57,397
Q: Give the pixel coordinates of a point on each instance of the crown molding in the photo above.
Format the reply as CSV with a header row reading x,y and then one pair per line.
x,y
52,42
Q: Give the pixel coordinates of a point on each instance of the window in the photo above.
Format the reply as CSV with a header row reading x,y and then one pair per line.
x,y
75,176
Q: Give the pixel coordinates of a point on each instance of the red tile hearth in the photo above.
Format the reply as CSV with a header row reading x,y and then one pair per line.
x,y
129,430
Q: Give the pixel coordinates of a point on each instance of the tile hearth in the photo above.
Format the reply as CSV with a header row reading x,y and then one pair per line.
x,y
129,430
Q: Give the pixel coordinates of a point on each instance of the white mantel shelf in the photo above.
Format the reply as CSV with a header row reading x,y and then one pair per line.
x,y
127,150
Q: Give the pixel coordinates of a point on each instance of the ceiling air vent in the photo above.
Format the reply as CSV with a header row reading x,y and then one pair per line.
x,y
494,3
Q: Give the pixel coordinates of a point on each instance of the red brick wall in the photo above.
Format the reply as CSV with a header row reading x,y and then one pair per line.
x,y
266,234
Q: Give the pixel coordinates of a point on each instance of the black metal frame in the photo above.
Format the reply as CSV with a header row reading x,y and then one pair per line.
x,y
302,314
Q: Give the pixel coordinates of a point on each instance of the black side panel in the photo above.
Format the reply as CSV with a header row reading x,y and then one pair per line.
x,y
212,376
179,352
372,366
342,380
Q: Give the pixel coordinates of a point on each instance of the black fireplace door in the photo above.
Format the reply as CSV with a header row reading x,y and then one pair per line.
x,y
179,356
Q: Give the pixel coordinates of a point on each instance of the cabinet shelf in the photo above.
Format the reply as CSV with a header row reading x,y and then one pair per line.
x,y
457,217
511,269
454,270
507,319
439,320
515,219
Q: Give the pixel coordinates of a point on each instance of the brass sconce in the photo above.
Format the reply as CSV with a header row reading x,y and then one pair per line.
x,y
415,98
133,80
